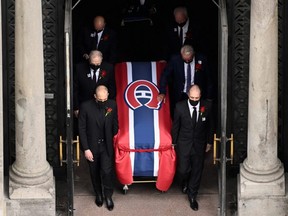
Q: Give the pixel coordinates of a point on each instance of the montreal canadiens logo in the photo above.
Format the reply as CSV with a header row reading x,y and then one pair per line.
x,y
142,93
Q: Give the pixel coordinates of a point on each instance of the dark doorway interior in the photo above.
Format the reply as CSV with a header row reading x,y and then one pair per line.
x,y
140,41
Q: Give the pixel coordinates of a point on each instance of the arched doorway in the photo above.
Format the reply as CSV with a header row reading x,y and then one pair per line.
x,y
134,42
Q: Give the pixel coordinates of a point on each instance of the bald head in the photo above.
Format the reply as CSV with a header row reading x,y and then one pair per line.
x,y
101,93
180,15
99,23
194,93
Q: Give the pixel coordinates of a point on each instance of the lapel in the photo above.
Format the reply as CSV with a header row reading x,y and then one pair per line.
x,y
175,30
88,73
97,114
107,121
201,116
93,38
90,82
101,76
103,36
181,71
197,73
188,111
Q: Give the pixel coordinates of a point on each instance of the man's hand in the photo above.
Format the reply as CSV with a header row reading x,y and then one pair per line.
x,y
161,97
76,113
89,155
208,147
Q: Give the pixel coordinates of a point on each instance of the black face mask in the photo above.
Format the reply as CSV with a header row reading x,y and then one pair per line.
x,y
181,24
193,103
102,104
98,31
188,62
94,67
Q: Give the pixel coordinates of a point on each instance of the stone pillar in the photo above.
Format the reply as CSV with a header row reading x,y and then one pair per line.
x,y
31,176
2,202
261,182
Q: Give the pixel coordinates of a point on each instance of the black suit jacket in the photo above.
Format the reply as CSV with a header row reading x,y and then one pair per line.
x,y
107,44
89,125
174,74
84,86
189,139
192,37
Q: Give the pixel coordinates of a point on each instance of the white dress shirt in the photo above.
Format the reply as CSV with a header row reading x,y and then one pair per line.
x,y
92,73
99,35
185,29
191,109
192,65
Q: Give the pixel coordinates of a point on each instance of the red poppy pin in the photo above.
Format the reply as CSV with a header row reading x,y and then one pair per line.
x,y
105,37
108,111
202,109
198,66
188,35
102,74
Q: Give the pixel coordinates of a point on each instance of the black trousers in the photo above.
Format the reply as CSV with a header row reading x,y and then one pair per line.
x,y
101,172
197,164
190,171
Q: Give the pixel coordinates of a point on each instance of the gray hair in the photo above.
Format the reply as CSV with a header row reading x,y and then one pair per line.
x,y
94,53
187,49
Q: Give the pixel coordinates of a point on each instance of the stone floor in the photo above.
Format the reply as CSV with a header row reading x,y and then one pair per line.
x,y
143,199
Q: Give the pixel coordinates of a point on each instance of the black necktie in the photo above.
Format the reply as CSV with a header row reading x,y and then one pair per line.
x,y
96,40
194,116
188,80
181,35
94,75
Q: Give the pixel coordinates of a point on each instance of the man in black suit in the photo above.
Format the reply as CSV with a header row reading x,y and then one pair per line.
x,y
98,124
101,38
181,32
181,72
192,135
88,76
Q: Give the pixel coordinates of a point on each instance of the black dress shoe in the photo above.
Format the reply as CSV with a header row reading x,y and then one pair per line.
x,y
193,204
99,200
184,189
109,203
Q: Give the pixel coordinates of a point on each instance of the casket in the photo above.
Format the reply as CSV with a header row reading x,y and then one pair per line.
x,y
143,145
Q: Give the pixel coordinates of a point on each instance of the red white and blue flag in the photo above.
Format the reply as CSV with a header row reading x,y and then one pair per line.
x,y
143,143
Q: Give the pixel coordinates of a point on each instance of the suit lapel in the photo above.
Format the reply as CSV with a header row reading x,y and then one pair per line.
x,y
200,115
182,71
90,82
106,121
102,37
188,111
98,112
88,74
93,39
100,76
